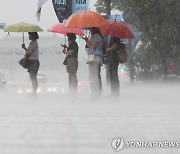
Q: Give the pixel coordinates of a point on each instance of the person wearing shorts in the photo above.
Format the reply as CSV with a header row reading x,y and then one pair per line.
x,y
32,52
72,61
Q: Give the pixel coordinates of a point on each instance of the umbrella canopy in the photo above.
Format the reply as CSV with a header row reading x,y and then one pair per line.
x,y
85,19
22,27
60,28
117,29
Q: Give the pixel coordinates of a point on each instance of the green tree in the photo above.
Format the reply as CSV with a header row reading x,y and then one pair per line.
x,y
159,22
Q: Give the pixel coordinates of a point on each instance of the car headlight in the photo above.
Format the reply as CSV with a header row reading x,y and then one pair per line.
x,y
19,91
39,90
54,89
49,90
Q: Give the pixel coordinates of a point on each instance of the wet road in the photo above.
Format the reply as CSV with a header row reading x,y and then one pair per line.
x,y
62,124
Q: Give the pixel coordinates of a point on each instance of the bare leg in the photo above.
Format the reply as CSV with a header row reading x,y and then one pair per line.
x,y
70,82
74,81
34,82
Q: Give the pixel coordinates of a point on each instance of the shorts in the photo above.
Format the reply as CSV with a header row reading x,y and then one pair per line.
x,y
72,65
33,66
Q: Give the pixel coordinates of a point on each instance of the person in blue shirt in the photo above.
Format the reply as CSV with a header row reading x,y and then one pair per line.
x,y
94,45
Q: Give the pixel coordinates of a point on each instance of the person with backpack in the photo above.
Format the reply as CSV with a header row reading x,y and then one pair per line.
x,y
113,63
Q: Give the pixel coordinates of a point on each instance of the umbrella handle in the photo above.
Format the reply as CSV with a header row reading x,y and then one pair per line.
x,y
65,38
23,36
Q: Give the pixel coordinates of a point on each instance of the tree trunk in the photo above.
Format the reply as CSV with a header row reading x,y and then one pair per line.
x,y
108,8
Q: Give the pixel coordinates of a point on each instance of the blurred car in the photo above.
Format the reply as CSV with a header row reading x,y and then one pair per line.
x,y
42,78
44,86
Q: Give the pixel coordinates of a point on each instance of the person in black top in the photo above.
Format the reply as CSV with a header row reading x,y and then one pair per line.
x,y
72,61
113,62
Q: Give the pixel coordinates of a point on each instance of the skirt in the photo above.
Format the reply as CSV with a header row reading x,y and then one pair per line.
x,y
72,65
33,66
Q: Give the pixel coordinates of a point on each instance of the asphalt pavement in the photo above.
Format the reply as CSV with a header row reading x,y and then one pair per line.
x,y
60,123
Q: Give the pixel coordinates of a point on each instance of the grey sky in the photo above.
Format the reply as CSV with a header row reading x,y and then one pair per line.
x,y
14,11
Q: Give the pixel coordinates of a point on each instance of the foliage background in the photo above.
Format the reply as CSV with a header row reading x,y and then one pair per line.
x,y
159,22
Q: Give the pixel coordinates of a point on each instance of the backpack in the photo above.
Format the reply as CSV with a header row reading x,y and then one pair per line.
x,y
122,54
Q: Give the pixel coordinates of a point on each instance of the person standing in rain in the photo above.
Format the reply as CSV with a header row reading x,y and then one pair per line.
x,y
94,46
113,63
32,52
72,61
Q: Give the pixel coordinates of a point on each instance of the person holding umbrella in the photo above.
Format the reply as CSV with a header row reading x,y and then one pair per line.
x,y
91,20
113,62
94,46
71,51
32,52
116,30
71,61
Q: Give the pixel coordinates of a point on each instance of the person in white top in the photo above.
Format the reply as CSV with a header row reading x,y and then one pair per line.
x,y
32,52
94,46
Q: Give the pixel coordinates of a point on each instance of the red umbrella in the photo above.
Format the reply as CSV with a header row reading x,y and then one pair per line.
x,y
117,29
85,19
60,28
